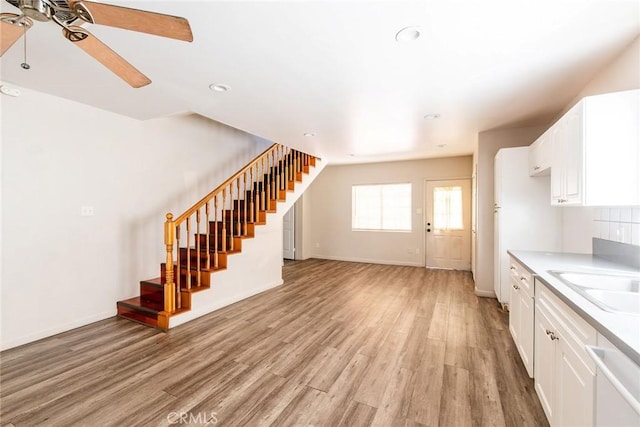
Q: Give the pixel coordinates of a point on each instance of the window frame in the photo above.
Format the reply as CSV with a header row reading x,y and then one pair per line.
x,y
381,206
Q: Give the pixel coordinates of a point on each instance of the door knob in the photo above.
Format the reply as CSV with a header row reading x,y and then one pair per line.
x,y
428,230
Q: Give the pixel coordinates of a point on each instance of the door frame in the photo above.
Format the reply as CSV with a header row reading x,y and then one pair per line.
x,y
424,211
292,240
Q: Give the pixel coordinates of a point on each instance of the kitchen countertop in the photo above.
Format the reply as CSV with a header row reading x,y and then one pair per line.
x,y
623,330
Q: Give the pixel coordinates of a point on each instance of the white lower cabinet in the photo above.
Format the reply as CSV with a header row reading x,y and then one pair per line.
x,y
564,375
521,313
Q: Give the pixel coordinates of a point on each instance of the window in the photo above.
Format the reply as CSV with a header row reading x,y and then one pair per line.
x,y
447,208
381,207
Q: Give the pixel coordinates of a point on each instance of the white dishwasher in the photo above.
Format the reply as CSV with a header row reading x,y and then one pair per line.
x,y
617,400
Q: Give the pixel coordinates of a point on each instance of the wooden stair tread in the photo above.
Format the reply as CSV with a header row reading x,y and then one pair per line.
x,y
157,281
138,304
194,288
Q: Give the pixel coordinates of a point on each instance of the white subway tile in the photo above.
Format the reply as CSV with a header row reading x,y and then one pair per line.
x,y
614,214
604,230
615,233
625,214
597,214
595,229
604,214
635,234
625,232
635,215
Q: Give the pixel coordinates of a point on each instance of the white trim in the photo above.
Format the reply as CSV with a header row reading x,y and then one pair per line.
x,y
368,261
78,323
484,293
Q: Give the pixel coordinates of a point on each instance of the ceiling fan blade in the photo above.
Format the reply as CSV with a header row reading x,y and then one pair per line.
x,y
11,30
107,57
158,24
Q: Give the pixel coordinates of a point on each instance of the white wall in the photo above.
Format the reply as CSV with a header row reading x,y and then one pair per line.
x,y
622,74
62,270
327,210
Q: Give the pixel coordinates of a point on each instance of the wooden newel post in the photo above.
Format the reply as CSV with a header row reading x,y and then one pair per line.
x,y
169,286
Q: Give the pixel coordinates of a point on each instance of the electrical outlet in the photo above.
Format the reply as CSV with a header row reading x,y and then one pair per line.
x,y
86,210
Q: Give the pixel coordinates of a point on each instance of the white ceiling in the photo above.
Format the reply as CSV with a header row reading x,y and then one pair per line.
x,y
334,68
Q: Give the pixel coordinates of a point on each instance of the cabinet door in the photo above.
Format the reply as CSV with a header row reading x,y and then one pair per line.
x,y
514,311
525,335
575,398
540,155
573,155
557,163
545,363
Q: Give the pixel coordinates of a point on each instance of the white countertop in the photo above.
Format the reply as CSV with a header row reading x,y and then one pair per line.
x,y
623,330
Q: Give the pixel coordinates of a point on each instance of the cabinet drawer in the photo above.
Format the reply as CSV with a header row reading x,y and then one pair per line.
x,y
572,328
522,277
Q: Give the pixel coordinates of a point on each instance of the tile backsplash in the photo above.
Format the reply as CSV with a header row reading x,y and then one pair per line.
x,y
618,224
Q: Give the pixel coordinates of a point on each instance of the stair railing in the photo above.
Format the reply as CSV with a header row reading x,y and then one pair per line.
x,y
231,208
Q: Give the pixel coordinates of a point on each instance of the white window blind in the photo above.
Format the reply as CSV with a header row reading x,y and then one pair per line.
x,y
381,207
447,208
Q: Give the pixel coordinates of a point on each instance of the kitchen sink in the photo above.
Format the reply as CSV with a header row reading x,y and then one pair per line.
x,y
617,293
619,283
626,302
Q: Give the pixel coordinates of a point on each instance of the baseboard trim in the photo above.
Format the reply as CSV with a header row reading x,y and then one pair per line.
x,y
27,339
369,261
484,294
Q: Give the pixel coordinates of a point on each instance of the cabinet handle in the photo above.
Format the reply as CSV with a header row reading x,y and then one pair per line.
x,y
522,278
512,268
535,168
516,287
552,335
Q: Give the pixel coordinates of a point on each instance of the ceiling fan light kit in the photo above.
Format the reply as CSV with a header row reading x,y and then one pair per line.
x,y
66,12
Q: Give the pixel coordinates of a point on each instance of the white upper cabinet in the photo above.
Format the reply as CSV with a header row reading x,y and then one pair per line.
x,y
595,150
540,155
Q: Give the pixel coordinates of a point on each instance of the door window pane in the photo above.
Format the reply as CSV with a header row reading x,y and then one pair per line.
x,y
447,208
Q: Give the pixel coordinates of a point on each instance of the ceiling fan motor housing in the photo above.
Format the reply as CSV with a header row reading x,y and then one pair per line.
x,y
39,10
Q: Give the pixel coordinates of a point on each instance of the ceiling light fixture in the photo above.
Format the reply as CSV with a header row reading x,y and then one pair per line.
x,y
408,34
219,87
309,134
432,116
441,145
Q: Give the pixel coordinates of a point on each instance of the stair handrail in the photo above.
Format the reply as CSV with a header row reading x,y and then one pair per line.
x,y
171,297
225,184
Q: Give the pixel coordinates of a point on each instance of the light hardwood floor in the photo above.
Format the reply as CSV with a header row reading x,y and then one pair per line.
x,y
338,344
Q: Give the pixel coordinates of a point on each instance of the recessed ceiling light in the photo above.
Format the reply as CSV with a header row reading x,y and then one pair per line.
x,y
441,145
432,116
219,87
408,34
309,134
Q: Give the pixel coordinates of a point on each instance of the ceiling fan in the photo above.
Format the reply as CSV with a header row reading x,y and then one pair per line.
x,y
66,12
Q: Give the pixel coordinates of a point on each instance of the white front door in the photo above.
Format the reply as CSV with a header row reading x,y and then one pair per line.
x,y
288,235
448,224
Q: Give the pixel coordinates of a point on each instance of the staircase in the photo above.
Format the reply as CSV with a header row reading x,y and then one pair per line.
x,y
200,241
